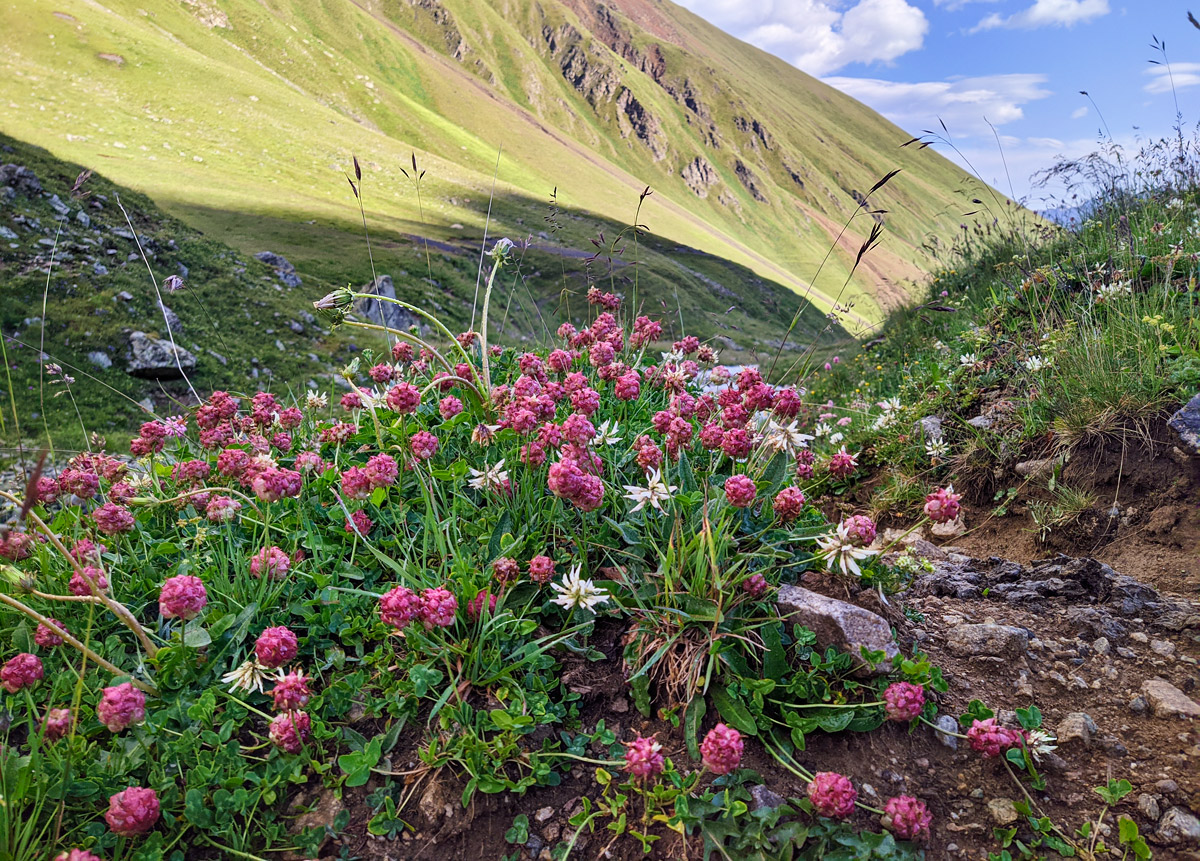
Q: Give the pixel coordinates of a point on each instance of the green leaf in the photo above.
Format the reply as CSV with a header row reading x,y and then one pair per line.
x,y
687,476
835,721
693,716
1030,718
640,687
195,810
496,543
628,534
424,678
1128,829
733,712
775,663
519,833
196,637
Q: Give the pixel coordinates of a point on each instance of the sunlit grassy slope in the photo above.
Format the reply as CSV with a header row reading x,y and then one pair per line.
x,y
239,114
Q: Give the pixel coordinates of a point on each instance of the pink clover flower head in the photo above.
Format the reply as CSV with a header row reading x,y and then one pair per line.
x,y
381,470
290,730
403,398
424,445
832,794
132,811
359,521
755,585
270,562
46,638
291,692
351,401
860,528
356,483
381,373
721,750
121,706
77,855
82,483
276,647
86,553
986,737
505,570
484,602
449,407
788,504
20,672
942,505
57,724
402,351
182,596
903,701
842,464
643,758
399,606
438,607
541,569
91,574
740,491
272,485
907,817
113,519
222,509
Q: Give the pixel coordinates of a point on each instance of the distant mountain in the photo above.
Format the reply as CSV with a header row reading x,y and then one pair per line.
x,y
240,117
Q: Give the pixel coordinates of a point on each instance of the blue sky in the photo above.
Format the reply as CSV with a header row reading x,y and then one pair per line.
x,y
1019,64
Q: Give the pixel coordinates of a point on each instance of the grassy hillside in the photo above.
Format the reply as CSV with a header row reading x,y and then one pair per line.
x,y
249,330
242,116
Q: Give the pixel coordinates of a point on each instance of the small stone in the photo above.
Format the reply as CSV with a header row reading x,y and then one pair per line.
x,y
1162,647
1186,423
987,639
1076,728
1128,654
1167,701
1102,646
929,427
1002,811
544,814
765,799
99,268
839,624
1138,705
981,422
1139,637
948,724
83,218
1178,826
5,233
100,359
1167,786
1148,807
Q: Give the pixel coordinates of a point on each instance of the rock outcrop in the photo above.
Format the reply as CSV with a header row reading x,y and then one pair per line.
x,y
156,359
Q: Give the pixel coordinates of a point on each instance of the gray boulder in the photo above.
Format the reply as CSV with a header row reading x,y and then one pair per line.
x,y
1186,423
385,313
1001,641
156,359
284,270
100,359
839,624
20,179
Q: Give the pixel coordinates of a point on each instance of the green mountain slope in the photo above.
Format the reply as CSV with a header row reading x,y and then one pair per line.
x,y
240,117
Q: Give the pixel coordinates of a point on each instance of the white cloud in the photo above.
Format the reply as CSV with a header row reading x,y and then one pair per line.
x,y
953,5
816,35
1047,13
1079,113
962,104
1179,76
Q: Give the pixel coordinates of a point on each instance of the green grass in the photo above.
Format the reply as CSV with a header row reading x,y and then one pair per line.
x,y
275,104
240,315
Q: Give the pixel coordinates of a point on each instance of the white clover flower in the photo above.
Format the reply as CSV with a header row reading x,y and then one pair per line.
x,y
937,448
606,434
836,438
574,591
315,401
1040,742
673,357
968,360
493,478
250,676
1035,363
822,429
787,438
839,551
656,492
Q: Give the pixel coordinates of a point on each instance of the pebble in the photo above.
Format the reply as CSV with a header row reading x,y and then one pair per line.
x,y
1139,637
1167,701
1076,728
1162,647
1102,646
1148,807
544,814
1126,653
987,639
1138,705
947,724
1178,826
1002,811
